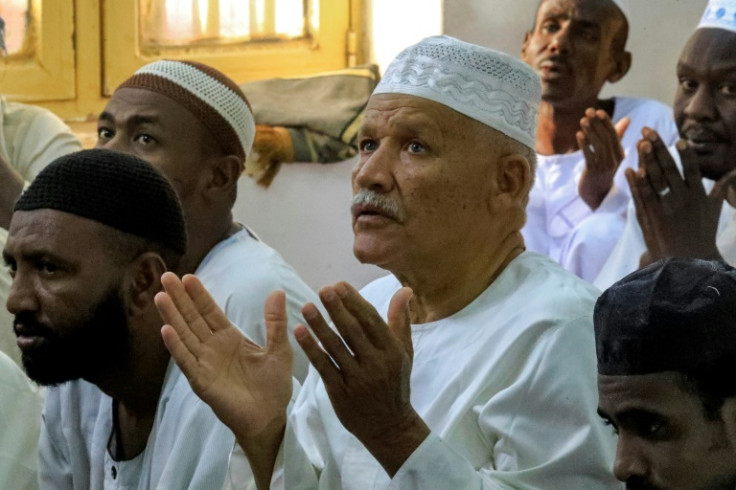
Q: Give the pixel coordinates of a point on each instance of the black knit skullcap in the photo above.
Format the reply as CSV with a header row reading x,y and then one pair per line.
x,y
118,190
675,315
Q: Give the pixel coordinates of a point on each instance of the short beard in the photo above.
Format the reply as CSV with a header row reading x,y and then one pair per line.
x,y
726,482
90,349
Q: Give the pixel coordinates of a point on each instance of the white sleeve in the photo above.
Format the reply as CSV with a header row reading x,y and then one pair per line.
x,y
54,467
544,430
39,137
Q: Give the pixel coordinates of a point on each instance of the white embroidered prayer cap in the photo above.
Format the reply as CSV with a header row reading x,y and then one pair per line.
x,y
719,14
210,95
492,87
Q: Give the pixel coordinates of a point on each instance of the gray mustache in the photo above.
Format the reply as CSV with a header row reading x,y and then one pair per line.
x,y
385,204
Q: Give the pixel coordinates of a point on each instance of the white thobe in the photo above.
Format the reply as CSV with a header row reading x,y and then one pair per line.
x,y
560,224
507,386
240,272
187,447
20,419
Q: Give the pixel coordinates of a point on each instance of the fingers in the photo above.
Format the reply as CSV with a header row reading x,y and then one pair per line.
x,y
317,357
723,185
371,324
182,355
622,126
644,198
204,305
668,170
331,342
180,312
274,312
600,142
398,318
690,169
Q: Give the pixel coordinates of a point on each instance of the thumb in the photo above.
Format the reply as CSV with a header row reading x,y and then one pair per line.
x,y
622,126
723,185
398,318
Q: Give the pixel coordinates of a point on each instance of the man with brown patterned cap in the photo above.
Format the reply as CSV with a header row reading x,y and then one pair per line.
x,y
666,344
195,125
86,255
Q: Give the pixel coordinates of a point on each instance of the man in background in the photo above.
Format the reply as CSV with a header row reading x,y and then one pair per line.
x,y
577,206
195,125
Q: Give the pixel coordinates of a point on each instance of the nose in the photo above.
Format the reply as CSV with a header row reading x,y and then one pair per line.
x,y
560,42
22,296
630,459
374,171
701,105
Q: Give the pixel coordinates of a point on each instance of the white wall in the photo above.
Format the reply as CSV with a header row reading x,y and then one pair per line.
x,y
397,24
658,32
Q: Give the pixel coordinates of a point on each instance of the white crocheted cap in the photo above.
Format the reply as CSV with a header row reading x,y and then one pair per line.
x,y
719,14
486,85
207,93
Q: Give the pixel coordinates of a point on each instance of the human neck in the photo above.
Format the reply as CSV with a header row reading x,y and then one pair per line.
x,y
207,235
447,287
136,388
559,124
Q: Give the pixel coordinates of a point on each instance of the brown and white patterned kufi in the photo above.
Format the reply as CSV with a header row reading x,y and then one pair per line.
x,y
484,84
207,93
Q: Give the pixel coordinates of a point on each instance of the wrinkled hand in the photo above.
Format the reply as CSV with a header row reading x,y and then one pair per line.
x,y
366,370
601,145
247,386
676,216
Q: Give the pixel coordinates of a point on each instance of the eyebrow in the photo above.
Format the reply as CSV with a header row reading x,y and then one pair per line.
x,y
133,120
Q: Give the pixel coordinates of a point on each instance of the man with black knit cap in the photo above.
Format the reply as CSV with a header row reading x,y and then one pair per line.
x,y
666,345
86,255
195,125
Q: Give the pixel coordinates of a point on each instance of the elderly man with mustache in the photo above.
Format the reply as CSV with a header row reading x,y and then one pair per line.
x,y
470,366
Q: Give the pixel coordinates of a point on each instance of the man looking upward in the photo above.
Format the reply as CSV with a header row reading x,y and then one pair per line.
x,y
482,374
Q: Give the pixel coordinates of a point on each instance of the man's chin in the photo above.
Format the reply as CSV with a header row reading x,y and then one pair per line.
x,y
45,374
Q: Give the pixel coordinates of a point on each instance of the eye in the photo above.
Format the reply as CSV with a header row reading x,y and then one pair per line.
x,y
550,27
47,268
144,139
609,423
728,88
688,85
104,133
10,267
368,145
416,147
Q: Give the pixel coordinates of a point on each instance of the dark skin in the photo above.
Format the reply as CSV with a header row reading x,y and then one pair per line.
x,y
157,129
576,46
676,215
59,262
665,438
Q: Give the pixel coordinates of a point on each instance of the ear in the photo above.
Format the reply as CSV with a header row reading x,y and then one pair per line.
x,y
514,178
144,281
225,170
525,44
622,64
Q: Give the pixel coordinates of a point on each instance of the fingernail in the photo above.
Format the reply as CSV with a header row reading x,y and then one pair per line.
x,y
646,147
300,332
652,136
341,290
681,145
310,313
328,294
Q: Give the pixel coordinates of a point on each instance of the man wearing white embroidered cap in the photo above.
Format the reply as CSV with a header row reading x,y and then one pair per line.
x,y
578,204
470,366
195,125
676,214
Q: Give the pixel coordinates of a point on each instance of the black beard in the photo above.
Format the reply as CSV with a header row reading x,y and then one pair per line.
x,y
91,348
638,483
